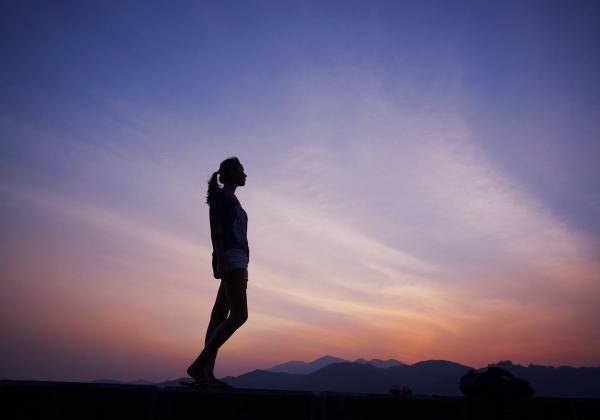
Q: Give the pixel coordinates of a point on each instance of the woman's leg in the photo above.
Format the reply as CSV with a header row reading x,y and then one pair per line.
x,y
218,315
235,291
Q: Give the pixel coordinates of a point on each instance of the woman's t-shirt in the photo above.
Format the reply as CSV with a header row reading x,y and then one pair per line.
x,y
229,220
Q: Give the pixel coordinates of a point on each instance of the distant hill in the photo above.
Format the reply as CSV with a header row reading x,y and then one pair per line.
x,y
296,366
562,381
380,363
430,377
349,377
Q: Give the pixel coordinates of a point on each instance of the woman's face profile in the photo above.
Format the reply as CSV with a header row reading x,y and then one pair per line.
x,y
241,176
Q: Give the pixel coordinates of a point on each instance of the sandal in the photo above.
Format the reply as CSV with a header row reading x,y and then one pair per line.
x,y
221,383
201,384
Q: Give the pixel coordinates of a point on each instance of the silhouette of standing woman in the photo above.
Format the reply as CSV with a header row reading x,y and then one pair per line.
x,y
228,226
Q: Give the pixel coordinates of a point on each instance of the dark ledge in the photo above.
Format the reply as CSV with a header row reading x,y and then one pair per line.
x,y
74,400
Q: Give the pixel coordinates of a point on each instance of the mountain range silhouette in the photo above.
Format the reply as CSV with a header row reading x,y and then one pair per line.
x,y
430,377
295,366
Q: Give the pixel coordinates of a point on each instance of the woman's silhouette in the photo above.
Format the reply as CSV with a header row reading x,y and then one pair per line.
x,y
228,226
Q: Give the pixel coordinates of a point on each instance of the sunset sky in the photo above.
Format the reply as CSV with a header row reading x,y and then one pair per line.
x,y
423,182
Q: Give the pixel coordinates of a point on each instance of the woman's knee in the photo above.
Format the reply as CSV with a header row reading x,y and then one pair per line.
x,y
240,318
244,318
219,315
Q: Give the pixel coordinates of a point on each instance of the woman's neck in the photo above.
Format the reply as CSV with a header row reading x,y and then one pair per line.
x,y
230,188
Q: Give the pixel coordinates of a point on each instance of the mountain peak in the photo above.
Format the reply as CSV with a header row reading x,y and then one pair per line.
x,y
382,364
328,358
305,368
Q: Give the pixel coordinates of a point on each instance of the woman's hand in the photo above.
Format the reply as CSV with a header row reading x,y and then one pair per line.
x,y
222,263
220,260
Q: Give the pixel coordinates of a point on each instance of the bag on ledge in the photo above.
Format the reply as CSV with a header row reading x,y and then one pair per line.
x,y
495,382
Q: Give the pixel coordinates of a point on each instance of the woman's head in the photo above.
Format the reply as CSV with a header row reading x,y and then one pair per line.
x,y
231,172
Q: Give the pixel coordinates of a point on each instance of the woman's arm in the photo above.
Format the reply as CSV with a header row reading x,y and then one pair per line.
x,y
216,232
217,241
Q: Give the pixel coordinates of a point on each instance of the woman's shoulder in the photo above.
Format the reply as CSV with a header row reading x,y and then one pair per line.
x,y
217,198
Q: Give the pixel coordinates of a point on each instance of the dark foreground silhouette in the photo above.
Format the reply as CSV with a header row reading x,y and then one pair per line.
x,y
63,400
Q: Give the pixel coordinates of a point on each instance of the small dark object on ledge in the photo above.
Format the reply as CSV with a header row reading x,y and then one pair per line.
x,y
495,382
402,391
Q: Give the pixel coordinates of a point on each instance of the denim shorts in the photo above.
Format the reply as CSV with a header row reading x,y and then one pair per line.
x,y
235,258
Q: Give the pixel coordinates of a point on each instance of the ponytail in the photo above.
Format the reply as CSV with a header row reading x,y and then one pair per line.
x,y
213,187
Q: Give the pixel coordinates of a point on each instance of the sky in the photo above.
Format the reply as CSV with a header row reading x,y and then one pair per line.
x,y
422,182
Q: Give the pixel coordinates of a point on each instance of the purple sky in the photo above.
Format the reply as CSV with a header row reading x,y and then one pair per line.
x,y
422,182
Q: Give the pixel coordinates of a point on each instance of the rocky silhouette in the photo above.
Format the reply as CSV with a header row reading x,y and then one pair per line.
x,y
380,363
431,377
297,366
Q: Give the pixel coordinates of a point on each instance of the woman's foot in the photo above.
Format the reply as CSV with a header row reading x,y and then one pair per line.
x,y
199,373
200,385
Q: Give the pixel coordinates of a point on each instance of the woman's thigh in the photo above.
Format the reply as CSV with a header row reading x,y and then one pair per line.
x,y
236,283
221,306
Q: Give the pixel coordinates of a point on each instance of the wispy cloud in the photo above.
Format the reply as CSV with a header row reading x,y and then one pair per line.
x,y
379,226
78,211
